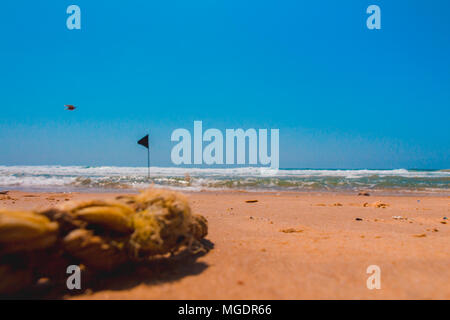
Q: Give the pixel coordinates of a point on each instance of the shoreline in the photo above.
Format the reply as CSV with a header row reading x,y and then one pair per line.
x,y
108,179
92,190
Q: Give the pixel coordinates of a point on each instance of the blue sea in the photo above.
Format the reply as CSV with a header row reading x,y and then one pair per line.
x,y
98,179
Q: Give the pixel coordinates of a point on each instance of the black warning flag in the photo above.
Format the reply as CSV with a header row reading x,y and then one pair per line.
x,y
144,141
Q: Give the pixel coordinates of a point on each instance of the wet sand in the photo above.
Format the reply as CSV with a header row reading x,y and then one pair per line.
x,y
294,246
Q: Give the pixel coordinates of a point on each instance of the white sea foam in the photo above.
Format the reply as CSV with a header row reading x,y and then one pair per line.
x,y
199,178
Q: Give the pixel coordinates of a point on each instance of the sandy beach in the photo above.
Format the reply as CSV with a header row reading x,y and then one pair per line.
x,y
293,246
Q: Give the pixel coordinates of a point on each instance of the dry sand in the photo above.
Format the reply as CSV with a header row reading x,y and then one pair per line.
x,y
294,246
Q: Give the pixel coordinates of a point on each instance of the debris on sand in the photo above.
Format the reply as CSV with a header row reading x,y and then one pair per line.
x,y
399,218
380,204
251,201
4,192
291,230
358,219
337,204
377,204
99,234
364,193
422,235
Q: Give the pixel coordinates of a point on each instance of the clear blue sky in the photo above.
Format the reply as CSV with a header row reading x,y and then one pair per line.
x,y
342,96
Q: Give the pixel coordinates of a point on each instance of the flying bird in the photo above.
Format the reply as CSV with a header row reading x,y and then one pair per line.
x,y
70,107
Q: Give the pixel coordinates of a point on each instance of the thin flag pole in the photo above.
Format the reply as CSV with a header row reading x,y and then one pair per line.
x,y
144,142
148,162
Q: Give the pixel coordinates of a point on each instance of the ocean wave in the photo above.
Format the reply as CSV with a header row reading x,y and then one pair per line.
x,y
249,178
